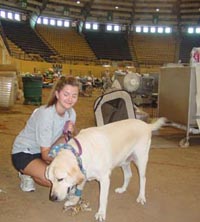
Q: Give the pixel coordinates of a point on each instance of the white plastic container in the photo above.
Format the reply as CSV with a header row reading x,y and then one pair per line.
x,y
7,88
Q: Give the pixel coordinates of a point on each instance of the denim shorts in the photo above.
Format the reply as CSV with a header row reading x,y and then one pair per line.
x,y
21,160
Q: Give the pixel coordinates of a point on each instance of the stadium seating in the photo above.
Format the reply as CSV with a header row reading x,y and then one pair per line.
x,y
61,44
154,49
112,46
67,42
21,34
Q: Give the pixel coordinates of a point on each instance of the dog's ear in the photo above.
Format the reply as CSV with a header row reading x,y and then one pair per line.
x,y
76,173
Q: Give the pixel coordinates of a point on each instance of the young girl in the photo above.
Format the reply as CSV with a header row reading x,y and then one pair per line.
x,y
44,127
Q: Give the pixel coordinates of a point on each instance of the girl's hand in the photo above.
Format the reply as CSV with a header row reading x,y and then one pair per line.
x,y
70,126
45,154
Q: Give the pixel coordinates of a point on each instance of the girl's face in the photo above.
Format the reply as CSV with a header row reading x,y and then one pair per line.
x,y
66,98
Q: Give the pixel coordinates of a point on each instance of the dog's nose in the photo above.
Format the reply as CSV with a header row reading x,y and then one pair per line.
x,y
53,198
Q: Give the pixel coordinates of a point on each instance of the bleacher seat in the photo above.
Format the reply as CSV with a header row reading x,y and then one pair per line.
x,y
26,38
113,46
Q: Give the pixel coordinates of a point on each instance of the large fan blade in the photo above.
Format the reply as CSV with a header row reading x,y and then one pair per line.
x,y
131,82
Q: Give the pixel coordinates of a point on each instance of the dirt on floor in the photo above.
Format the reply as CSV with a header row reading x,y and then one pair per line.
x,y
172,186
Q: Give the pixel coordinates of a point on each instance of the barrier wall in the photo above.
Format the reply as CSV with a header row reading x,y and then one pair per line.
x,y
76,70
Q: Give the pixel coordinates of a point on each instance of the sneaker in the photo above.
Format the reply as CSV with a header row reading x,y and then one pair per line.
x,y
27,183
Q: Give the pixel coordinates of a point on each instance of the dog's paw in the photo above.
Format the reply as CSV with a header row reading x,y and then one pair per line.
x,y
141,200
99,216
71,202
120,190
68,204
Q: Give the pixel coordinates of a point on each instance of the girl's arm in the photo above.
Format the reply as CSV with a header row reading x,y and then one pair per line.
x,y
44,154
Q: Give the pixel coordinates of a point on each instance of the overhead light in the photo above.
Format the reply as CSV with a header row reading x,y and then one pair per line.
x,y
17,17
66,23
95,26
160,29
3,14
167,30
10,15
145,29
138,29
52,22
198,30
109,27
45,21
116,28
153,29
59,23
39,21
87,25
190,30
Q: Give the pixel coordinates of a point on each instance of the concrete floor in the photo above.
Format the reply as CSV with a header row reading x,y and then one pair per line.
x,y
172,188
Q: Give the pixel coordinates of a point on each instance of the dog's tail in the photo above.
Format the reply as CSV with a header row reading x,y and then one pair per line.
x,y
158,123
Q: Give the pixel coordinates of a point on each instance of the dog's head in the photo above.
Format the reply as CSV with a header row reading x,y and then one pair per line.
x,y
64,173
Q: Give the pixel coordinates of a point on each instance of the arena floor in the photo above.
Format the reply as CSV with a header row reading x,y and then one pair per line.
x,y
172,188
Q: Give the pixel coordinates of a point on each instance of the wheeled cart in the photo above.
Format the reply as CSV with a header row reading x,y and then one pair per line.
x,y
177,98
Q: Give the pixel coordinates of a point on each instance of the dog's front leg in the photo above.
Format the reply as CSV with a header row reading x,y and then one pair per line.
x,y
74,198
104,189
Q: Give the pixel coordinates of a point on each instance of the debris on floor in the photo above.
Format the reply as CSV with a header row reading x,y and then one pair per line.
x,y
81,206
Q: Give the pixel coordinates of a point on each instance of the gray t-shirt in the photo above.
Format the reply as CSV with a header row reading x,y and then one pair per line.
x,y
43,128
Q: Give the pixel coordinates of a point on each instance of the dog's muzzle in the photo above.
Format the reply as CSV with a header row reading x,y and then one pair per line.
x,y
54,197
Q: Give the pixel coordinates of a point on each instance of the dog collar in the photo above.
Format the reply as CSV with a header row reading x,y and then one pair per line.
x,y
55,149
76,154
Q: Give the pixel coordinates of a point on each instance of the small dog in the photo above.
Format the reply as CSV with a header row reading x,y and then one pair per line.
x,y
103,148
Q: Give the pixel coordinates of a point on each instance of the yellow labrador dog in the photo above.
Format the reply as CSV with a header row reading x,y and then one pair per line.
x,y
98,151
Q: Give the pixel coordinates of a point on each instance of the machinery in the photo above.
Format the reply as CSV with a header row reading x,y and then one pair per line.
x,y
143,88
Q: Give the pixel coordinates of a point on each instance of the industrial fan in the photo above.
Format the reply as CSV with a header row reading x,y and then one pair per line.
x,y
132,82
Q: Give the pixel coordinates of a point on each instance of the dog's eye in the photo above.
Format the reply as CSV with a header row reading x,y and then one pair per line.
x,y
61,179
